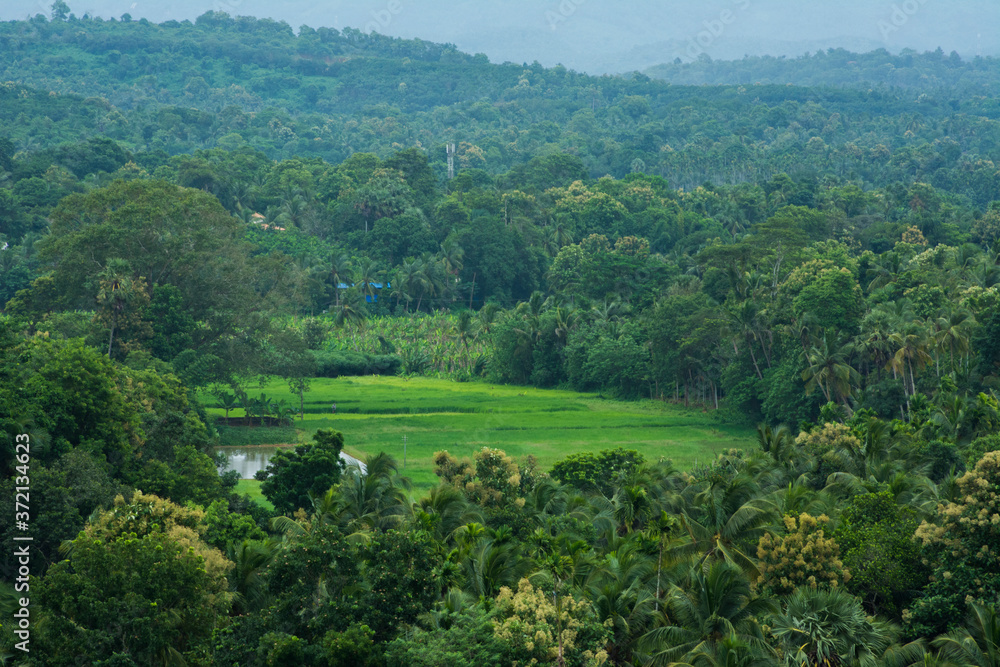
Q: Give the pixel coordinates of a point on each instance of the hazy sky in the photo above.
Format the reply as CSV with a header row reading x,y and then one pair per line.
x,y
603,36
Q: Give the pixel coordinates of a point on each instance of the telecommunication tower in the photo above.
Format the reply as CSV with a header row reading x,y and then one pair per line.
x,y
451,160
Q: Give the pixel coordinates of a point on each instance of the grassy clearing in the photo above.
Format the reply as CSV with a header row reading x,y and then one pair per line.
x,y
247,436
252,488
375,413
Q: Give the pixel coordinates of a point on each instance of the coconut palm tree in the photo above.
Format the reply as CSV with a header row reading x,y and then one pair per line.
x,y
325,508
731,651
467,329
829,368
951,420
341,269
566,321
246,580
488,316
873,344
451,256
292,211
886,270
744,320
985,272
951,334
912,654
607,311
375,500
429,280
799,497
407,281
443,511
366,275
727,518
876,446
664,525
632,508
558,235
619,591
118,296
778,443
351,311
489,566
312,276
804,328
701,613
910,346
975,645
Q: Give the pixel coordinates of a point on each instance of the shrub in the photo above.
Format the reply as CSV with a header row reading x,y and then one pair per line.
x,y
980,447
526,621
466,639
599,472
827,438
495,480
805,556
963,541
877,546
291,476
340,363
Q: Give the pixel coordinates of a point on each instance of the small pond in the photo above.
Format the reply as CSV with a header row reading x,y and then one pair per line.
x,y
248,460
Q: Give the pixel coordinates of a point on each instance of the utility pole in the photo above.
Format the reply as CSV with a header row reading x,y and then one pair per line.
x,y
450,148
404,451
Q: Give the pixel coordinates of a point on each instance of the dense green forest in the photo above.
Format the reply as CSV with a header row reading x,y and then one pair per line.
x,y
800,246
932,72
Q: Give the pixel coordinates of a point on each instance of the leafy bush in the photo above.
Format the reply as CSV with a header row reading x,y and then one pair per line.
x,y
980,447
531,613
399,581
291,476
464,639
588,471
962,541
942,457
877,546
281,649
495,480
805,556
351,648
138,581
597,359
341,363
243,436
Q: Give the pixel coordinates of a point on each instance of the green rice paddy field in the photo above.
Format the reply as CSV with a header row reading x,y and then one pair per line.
x,y
375,413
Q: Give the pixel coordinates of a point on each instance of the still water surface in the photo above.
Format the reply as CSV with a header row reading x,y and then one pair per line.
x,y
248,460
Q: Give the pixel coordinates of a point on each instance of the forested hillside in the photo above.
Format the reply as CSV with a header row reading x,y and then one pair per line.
x,y
932,72
214,206
222,82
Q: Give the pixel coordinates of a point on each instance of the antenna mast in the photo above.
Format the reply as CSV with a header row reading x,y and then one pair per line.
x,y
450,148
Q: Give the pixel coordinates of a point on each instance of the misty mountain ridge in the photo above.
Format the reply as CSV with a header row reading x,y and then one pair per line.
x,y
608,38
